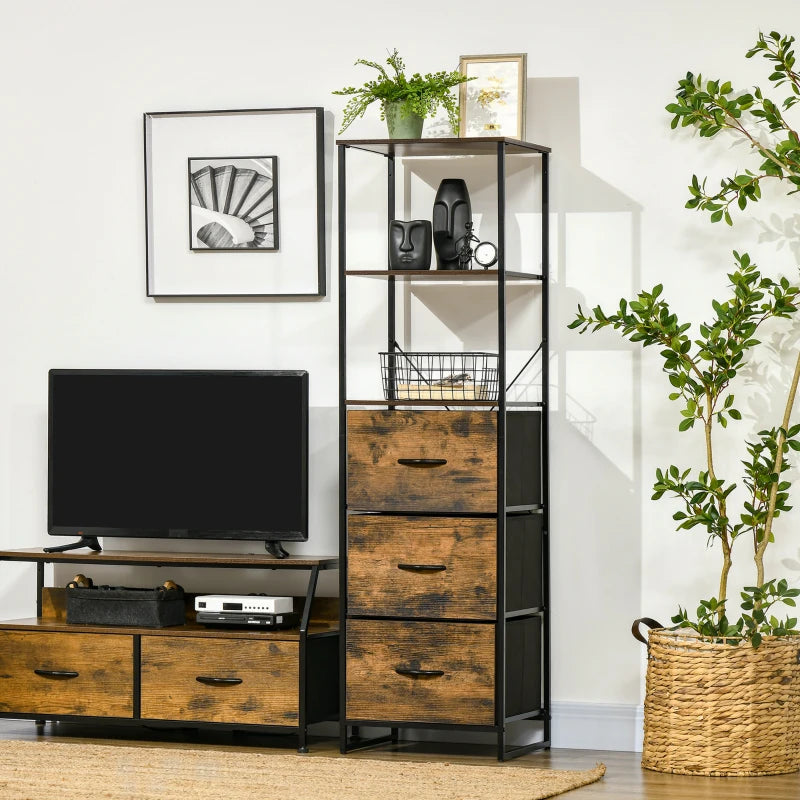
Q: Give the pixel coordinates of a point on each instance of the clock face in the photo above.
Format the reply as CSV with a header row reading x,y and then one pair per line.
x,y
485,254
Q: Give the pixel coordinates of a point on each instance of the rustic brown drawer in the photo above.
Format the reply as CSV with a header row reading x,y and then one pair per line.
x,y
441,567
242,680
422,461
420,672
66,673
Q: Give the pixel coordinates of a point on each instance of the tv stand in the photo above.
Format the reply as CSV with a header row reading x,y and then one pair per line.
x,y
264,681
85,541
276,549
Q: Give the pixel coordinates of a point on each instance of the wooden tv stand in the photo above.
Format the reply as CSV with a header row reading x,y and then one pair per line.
x,y
182,676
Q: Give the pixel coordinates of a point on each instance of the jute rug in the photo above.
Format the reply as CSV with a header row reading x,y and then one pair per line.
x,y
56,770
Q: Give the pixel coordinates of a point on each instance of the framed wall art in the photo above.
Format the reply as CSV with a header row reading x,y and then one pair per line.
x,y
235,203
493,103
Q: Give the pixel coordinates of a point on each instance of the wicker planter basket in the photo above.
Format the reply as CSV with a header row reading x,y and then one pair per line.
x,y
719,709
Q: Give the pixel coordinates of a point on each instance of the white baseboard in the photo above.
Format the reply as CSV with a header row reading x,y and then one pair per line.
x,y
597,726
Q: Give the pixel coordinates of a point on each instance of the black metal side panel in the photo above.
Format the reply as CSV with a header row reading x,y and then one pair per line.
x,y
323,678
524,458
523,665
524,562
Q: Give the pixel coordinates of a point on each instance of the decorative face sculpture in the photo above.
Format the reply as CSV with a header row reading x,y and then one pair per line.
x,y
451,212
410,244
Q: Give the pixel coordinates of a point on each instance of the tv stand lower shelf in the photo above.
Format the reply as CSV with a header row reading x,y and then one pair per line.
x,y
183,676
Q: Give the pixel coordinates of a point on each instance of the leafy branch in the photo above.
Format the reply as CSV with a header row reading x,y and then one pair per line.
x,y
714,106
700,371
758,600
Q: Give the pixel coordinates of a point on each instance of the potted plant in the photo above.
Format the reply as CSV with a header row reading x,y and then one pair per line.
x,y
405,102
723,691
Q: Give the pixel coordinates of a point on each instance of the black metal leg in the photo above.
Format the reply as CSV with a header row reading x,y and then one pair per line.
x,y
302,736
395,735
501,744
302,739
40,726
39,586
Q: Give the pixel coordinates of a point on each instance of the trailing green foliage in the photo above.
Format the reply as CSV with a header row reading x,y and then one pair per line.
x,y
714,106
419,94
701,366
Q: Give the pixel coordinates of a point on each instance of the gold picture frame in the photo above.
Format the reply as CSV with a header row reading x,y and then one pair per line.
x,y
493,104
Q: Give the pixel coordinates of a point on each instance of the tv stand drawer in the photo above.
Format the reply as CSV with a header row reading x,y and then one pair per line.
x,y
66,673
220,680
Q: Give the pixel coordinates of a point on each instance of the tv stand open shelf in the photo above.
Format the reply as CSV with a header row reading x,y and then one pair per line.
x,y
260,681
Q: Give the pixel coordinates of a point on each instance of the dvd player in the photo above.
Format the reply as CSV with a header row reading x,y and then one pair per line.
x,y
289,619
244,603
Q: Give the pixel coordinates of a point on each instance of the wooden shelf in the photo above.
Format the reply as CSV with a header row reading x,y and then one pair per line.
x,y
450,275
153,558
472,146
191,629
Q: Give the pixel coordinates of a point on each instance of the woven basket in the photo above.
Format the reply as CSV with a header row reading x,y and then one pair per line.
x,y
721,709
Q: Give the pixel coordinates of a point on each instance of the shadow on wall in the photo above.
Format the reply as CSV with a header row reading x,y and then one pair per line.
x,y
596,493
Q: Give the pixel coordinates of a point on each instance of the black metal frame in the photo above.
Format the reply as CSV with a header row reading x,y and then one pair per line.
x,y
301,729
500,148
321,204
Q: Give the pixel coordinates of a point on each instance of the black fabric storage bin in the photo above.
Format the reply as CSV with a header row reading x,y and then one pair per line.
x,y
119,605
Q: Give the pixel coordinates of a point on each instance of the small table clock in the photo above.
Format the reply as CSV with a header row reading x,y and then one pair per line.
x,y
484,253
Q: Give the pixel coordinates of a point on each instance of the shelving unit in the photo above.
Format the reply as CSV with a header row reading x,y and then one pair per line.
x,y
260,681
444,593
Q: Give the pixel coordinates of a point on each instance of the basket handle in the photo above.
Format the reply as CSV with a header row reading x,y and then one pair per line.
x,y
649,621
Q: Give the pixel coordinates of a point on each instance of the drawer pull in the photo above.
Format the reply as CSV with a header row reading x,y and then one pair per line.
x,y
210,681
422,567
422,462
59,674
417,673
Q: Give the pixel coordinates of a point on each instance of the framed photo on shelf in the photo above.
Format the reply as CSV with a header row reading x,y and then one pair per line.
x,y
493,104
235,203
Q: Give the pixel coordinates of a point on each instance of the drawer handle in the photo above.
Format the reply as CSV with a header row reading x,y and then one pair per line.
x,y
416,673
422,567
422,462
210,681
59,674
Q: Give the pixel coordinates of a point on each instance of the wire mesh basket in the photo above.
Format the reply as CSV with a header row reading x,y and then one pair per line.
x,y
439,376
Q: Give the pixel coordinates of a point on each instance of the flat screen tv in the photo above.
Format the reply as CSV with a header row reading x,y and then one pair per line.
x,y
178,454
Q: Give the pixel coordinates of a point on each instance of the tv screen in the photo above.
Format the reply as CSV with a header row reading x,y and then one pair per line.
x,y
189,454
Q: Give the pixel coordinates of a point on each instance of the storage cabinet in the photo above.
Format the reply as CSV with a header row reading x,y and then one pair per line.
x,y
444,508
262,681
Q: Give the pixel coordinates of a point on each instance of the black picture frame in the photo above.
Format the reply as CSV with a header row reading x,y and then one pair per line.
x,y
296,266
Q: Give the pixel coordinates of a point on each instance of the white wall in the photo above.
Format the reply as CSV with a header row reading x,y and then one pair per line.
x,y
78,77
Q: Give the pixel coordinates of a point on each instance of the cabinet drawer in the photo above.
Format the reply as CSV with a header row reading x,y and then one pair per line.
x,y
422,567
384,659
66,673
256,681
422,461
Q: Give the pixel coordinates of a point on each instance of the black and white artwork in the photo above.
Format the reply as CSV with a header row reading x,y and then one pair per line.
x,y
211,194
233,204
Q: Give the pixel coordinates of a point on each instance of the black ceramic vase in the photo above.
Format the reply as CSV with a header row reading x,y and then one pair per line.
x,y
410,244
451,212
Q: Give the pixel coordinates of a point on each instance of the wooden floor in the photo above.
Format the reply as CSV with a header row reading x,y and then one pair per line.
x,y
624,779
